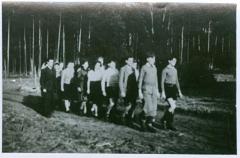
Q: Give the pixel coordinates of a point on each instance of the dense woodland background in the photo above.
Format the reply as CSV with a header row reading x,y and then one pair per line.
x,y
201,36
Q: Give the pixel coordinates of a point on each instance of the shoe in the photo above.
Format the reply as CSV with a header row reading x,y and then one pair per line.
x,y
107,117
130,123
123,120
158,126
143,127
142,120
150,128
172,128
169,123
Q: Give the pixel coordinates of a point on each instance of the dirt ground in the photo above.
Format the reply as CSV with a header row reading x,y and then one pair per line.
x,y
205,126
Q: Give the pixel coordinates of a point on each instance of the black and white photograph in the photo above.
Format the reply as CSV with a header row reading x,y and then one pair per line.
x,y
119,77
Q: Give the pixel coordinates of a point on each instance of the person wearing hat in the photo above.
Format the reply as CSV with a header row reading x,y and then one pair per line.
x,y
148,90
170,89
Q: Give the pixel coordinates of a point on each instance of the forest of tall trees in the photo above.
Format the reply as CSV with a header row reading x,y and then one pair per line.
x,y
194,33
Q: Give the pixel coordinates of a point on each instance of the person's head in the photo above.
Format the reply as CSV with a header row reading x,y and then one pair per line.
x,y
97,65
172,61
50,63
85,64
112,64
150,58
56,66
101,60
61,65
70,65
129,60
134,64
44,64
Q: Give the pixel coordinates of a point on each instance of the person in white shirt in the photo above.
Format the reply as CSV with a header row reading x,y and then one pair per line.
x,y
110,87
66,88
94,87
101,60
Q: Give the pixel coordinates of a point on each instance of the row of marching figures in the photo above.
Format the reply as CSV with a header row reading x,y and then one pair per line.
x,y
98,90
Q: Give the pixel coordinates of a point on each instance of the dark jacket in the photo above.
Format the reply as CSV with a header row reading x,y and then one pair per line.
x,y
48,79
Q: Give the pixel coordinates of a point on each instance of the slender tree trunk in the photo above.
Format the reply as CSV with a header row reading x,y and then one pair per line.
x,y
35,75
179,48
77,43
129,39
89,35
76,36
80,37
40,49
229,46
8,46
13,66
20,57
33,47
5,68
193,44
216,41
199,43
216,49
151,12
209,35
182,43
25,51
172,44
222,45
136,46
59,37
64,55
188,53
47,42
169,23
164,14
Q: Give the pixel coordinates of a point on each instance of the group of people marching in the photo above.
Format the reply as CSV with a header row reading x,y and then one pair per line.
x,y
89,88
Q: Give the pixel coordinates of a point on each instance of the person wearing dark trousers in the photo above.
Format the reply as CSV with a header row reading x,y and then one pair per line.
x,y
94,89
110,88
58,93
66,85
126,84
148,90
132,93
44,65
48,87
82,86
170,89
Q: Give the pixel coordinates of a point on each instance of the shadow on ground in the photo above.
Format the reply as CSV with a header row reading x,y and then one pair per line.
x,y
36,103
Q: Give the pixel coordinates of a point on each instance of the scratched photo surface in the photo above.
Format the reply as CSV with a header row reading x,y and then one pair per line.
x,y
49,111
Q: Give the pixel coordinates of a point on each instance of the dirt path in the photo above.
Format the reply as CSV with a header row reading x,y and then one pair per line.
x,y
25,130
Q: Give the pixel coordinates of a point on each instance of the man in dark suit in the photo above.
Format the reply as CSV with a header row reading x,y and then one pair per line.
x,y
47,81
